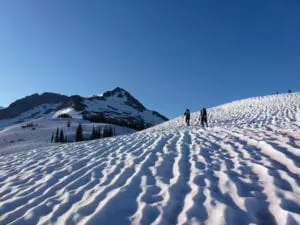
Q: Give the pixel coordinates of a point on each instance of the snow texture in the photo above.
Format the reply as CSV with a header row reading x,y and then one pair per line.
x,y
244,169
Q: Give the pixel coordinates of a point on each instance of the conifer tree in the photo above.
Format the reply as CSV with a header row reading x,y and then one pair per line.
x,y
57,135
79,134
61,136
110,131
105,133
52,137
69,123
94,134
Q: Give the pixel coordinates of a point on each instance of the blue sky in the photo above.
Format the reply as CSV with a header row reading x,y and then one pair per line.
x,y
171,55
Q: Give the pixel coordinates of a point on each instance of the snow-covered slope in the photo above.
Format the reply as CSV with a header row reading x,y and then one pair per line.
x,y
245,169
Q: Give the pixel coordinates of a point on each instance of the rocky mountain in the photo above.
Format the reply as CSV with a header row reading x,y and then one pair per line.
x,y
116,107
30,102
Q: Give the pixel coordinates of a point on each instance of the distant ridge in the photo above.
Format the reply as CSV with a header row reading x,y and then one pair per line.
x,y
117,106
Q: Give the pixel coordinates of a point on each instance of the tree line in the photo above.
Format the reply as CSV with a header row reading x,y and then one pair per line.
x,y
98,132
58,136
132,123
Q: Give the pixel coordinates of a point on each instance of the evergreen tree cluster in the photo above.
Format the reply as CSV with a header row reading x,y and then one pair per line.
x,y
130,122
64,116
97,133
108,131
58,136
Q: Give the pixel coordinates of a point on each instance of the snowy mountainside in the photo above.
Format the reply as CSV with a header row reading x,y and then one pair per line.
x,y
29,103
34,113
118,107
117,103
244,169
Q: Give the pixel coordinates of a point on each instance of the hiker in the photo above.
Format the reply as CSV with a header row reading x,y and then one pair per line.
x,y
187,115
203,117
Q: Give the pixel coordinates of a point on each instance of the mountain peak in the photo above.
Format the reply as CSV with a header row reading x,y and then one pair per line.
x,y
114,91
117,91
125,95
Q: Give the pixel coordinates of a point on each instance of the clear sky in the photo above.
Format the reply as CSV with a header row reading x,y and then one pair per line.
x,y
171,55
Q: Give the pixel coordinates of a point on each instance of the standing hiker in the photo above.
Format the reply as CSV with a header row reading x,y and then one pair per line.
x,y
187,115
203,117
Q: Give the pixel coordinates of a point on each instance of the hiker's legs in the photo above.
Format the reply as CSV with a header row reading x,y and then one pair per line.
x,y
206,122
187,121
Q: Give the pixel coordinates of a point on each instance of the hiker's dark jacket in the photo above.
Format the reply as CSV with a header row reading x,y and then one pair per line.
x,y
203,113
187,114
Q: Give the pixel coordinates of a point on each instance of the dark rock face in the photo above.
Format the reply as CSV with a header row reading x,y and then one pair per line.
x,y
25,104
75,102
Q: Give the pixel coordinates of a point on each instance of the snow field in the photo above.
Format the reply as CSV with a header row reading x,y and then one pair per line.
x,y
231,173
